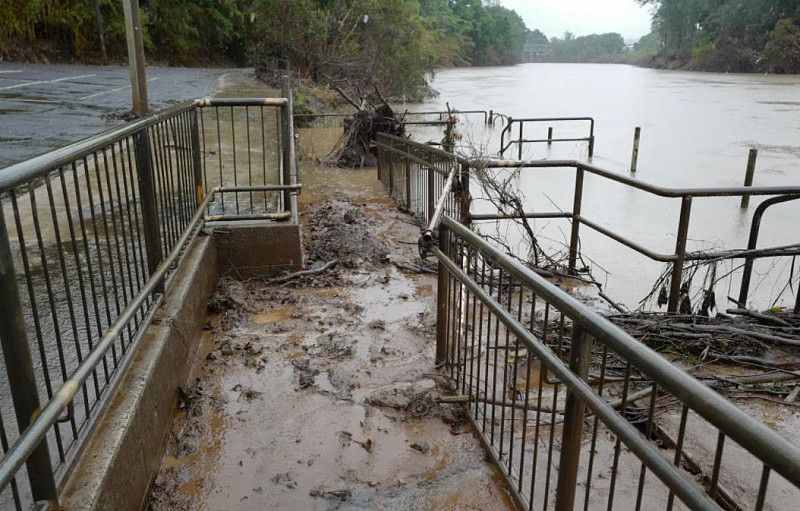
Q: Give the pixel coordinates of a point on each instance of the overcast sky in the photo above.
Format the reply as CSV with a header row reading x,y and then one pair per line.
x,y
582,17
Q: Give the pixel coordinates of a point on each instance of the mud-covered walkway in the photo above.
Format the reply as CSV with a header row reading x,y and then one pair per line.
x,y
320,393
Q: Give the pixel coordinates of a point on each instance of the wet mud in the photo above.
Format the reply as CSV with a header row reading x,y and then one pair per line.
x,y
321,392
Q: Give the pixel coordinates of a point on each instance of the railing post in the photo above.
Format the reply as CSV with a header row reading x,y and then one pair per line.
x,y
431,194
147,192
19,369
748,176
549,136
576,222
464,199
442,305
580,353
408,184
680,255
520,141
391,182
197,162
637,132
286,158
591,138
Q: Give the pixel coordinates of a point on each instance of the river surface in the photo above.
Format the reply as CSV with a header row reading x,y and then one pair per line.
x,y
697,129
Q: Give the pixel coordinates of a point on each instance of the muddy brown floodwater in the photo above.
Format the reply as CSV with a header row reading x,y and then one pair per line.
x,y
320,394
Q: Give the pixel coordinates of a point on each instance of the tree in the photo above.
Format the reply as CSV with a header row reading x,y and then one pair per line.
x,y
782,52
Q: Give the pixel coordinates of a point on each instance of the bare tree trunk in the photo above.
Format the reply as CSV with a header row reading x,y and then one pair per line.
x,y
99,18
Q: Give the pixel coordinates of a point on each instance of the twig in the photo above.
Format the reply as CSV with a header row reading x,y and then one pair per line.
x,y
303,273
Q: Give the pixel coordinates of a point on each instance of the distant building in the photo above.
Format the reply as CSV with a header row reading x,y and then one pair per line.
x,y
534,52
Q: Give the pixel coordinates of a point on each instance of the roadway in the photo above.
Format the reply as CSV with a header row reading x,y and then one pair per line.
x,y
46,106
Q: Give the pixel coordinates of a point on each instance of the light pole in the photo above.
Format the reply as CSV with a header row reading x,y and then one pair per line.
x,y
133,32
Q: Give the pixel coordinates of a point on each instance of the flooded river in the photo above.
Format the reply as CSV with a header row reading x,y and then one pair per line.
x,y
697,129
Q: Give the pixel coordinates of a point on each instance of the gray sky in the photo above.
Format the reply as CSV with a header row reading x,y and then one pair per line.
x,y
582,17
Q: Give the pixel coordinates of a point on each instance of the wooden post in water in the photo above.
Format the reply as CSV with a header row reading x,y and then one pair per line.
x,y
637,132
549,136
748,175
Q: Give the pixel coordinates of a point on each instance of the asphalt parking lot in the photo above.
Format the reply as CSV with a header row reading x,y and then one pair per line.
x,y
46,106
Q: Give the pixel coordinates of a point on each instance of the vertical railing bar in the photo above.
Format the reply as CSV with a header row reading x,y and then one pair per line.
x,y
18,360
79,270
190,199
4,442
513,389
505,376
576,222
112,273
600,386
159,190
539,395
99,253
203,154
472,383
648,434
442,303
678,450
494,366
130,250
762,488
617,446
65,278
130,194
180,166
488,350
89,266
235,168
527,398
480,343
111,207
717,465
553,411
219,155
167,192
50,297
263,155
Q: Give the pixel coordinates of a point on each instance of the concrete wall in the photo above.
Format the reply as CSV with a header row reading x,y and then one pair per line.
x,y
124,453
253,249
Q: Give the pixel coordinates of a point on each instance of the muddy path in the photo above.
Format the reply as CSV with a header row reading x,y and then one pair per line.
x,y
320,393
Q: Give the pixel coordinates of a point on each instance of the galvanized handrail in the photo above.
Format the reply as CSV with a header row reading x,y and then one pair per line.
x,y
104,201
521,140
774,451
30,438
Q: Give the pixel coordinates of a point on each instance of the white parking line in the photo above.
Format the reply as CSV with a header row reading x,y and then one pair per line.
x,y
46,81
11,71
22,100
111,90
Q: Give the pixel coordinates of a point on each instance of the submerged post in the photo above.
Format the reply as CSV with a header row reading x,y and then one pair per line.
x,y
635,156
19,369
748,176
549,136
680,256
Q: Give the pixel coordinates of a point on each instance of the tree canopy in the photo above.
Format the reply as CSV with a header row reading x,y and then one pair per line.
x,y
393,42
729,35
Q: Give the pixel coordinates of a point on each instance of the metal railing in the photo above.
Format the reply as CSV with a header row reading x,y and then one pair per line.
x,y
520,141
416,175
90,236
576,413
686,195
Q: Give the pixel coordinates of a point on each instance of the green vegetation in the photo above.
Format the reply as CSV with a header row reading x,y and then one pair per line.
x,y
391,43
590,48
727,35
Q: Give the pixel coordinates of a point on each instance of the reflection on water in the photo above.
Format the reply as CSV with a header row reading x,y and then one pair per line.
x,y
697,129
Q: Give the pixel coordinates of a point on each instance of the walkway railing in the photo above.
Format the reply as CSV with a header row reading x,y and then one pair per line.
x,y
576,413
90,236
508,138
